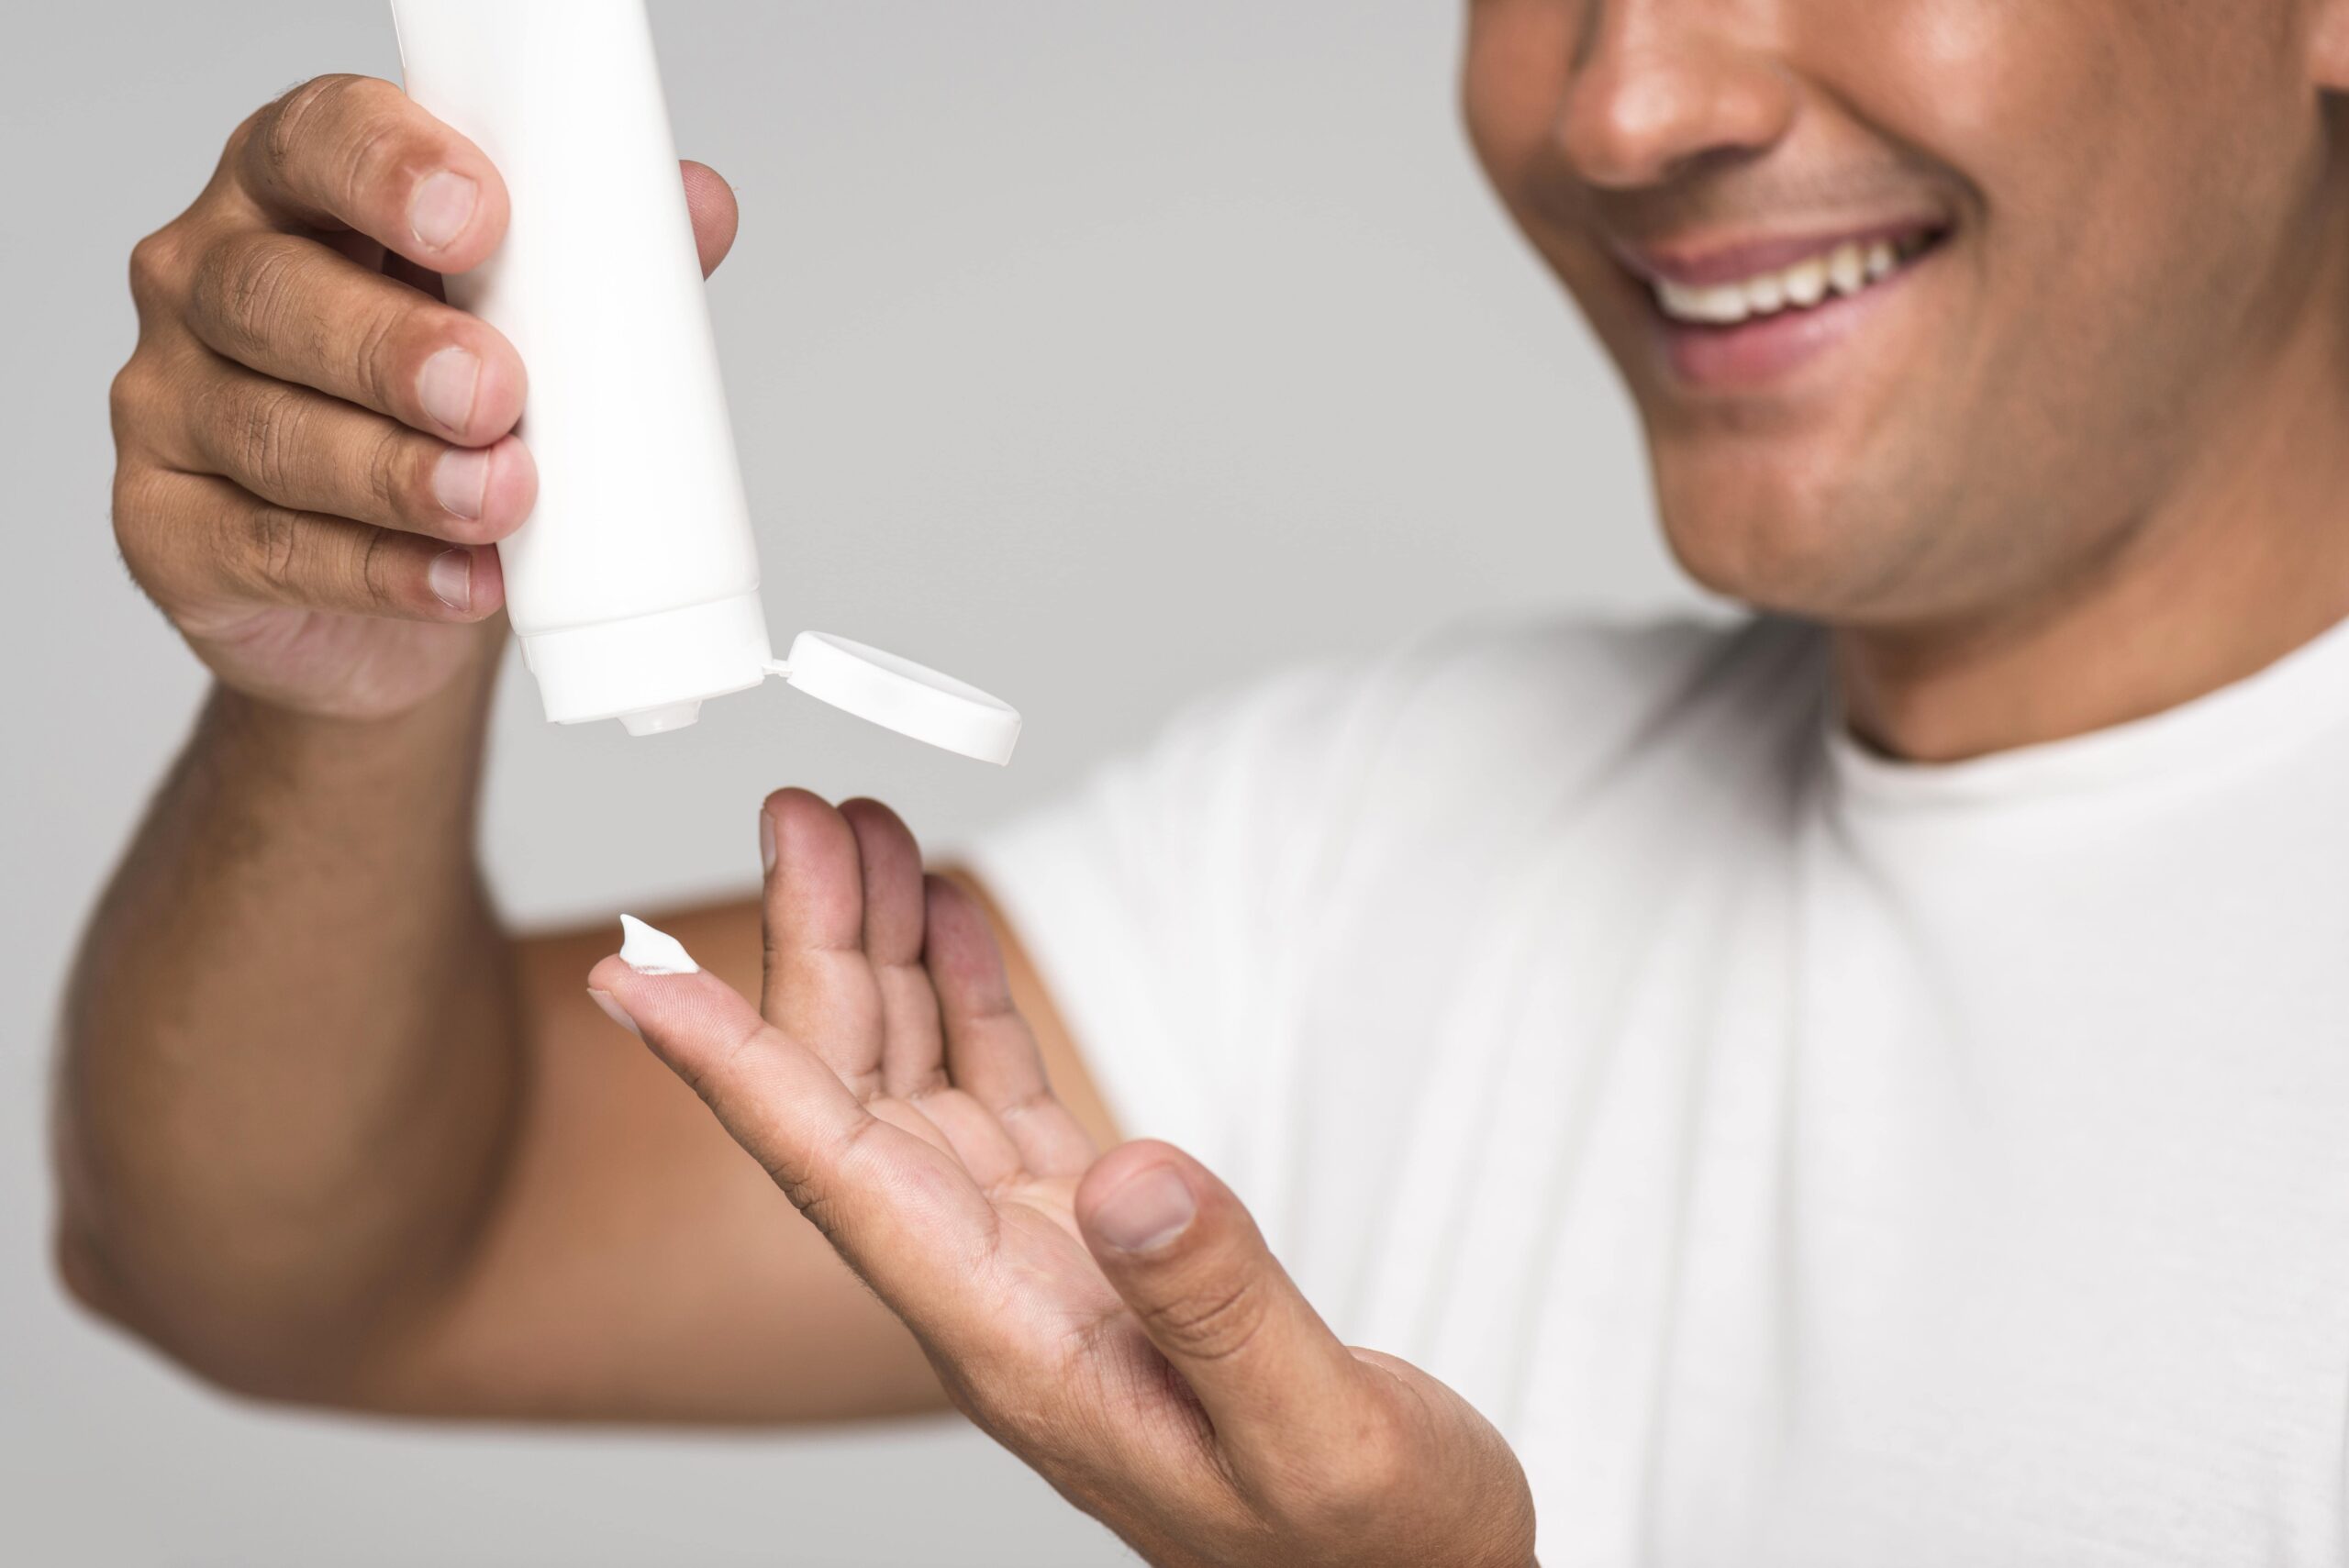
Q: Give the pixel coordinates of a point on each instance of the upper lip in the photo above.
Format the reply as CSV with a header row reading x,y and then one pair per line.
x,y
1697,261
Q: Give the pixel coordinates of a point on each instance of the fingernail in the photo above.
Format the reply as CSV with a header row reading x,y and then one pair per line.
x,y
650,950
613,1011
450,578
1149,1211
766,842
445,386
440,208
460,482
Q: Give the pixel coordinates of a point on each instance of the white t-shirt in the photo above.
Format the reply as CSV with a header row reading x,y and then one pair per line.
x,y
1804,1159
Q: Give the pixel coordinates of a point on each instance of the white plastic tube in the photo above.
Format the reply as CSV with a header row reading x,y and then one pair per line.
x,y
634,585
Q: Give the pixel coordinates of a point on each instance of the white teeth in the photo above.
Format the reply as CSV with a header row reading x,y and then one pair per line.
x,y
1807,281
1726,304
1721,305
1846,269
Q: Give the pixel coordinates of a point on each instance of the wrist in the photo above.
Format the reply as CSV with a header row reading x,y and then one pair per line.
x,y
410,782
441,724
303,663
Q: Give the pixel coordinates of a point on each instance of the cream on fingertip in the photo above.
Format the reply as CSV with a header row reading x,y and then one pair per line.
x,y
651,950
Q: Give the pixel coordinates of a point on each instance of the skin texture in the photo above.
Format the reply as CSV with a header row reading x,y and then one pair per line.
x,y
434,1180
2079,464
305,429
1117,1322
2085,465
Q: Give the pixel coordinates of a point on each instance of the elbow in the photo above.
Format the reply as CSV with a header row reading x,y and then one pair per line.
x,y
271,1369
91,1282
219,1332
83,1273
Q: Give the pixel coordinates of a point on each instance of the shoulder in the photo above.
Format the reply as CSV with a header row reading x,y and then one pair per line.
x,y
1558,694
1471,733
1504,714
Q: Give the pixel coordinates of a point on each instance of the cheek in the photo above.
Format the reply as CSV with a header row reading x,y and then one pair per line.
x,y
2099,136
2133,174
1961,76
1516,66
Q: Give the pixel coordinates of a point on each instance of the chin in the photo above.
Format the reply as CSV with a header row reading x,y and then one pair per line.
x,y
1808,528
1763,540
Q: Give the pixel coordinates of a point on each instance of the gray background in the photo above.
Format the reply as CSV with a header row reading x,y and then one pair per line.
x,y
1100,352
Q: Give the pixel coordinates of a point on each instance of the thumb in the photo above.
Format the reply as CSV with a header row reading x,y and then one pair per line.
x,y
1190,1263
710,200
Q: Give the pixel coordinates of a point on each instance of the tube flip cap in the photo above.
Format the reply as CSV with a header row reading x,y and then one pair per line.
x,y
901,694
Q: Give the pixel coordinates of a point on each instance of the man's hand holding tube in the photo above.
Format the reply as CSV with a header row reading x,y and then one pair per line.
x,y
1115,1322
313,452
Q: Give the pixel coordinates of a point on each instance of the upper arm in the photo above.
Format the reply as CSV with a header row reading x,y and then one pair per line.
x,y
637,1264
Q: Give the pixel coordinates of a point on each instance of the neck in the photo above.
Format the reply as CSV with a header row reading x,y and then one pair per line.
x,y
2244,561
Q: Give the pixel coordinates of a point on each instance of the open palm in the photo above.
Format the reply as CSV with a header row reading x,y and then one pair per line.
x,y
1115,1319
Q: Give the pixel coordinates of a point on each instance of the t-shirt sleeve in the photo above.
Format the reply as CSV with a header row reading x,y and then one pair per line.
x,y
1163,900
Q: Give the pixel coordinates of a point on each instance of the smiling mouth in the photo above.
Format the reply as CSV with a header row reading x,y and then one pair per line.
x,y
1835,271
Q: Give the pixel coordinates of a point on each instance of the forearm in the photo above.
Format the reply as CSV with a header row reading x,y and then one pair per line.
x,y
291,1054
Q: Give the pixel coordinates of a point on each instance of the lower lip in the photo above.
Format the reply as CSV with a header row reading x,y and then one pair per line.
x,y
1754,355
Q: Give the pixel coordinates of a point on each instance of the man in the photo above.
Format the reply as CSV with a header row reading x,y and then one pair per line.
x,y
1864,1088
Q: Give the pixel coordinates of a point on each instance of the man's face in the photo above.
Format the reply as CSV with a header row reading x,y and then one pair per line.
x,y
2071,232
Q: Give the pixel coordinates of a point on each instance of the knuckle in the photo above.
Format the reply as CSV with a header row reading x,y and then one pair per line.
x,y
812,1181
241,140
1005,1387
155,265
202,412
269,432
1211,1325
373,153
375,351
292,122
392,483
134,507
1032,1420
274,547
352,129
804,1196
374,570
246,288
128,396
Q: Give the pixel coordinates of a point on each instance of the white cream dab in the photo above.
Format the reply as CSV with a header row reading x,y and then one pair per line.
x,y
650,950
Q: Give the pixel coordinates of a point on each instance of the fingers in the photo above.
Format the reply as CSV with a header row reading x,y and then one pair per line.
x,y
846,917
1188,1261
305,451
194,540
861,955
711,202
900,1210
912,1049
990,1052
355,152
296,310
820,988
843,969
